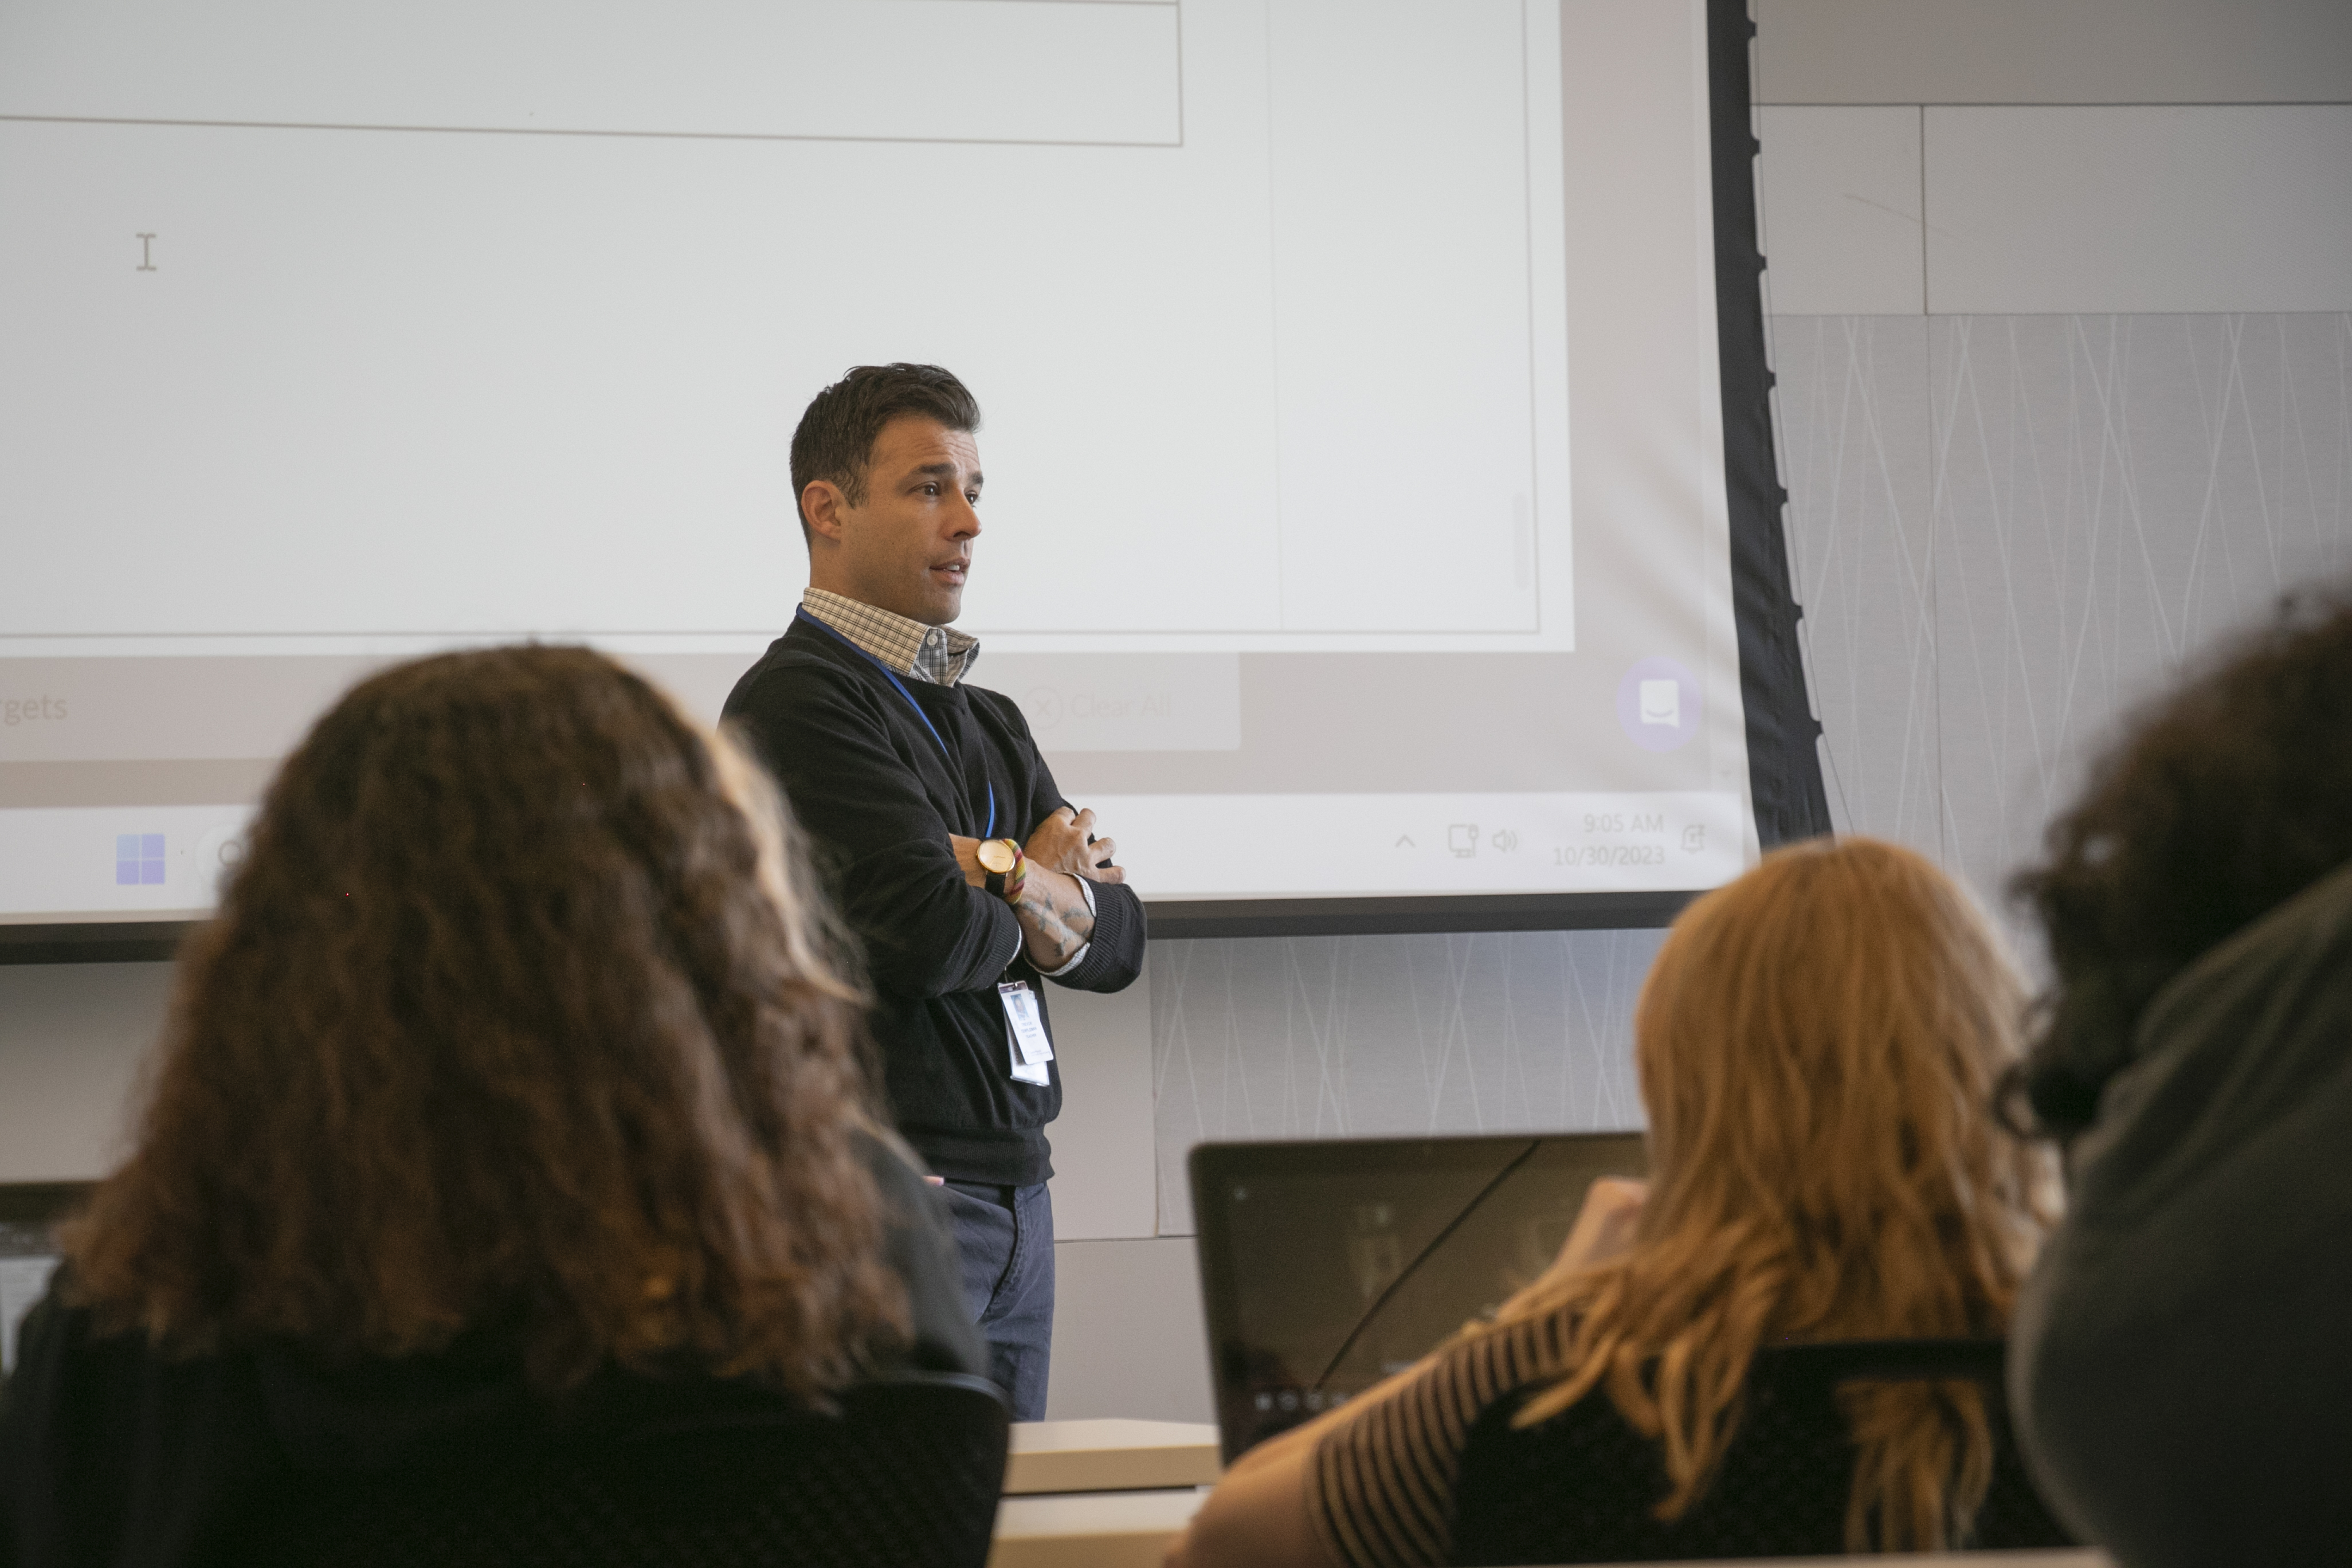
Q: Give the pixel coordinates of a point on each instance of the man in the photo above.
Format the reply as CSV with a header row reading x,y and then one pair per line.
x,y
954,858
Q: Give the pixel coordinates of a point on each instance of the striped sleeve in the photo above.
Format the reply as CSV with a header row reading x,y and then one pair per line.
x,y
1380,1487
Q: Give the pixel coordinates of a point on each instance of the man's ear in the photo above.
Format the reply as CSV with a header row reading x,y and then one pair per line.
x,y
822,504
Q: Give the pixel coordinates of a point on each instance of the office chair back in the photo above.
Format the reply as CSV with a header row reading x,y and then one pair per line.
x,y
905,1475
1582,1487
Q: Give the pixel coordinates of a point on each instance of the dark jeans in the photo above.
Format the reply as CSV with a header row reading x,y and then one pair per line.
x,y
1004,1239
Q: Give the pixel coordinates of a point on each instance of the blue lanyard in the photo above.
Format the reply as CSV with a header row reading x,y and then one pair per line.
x,y
892,677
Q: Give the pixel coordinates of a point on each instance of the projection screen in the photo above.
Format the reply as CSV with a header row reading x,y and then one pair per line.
x,y
1355,525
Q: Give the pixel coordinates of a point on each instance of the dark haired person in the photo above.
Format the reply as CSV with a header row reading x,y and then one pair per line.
x,y
512,1100
2181,1363
956,860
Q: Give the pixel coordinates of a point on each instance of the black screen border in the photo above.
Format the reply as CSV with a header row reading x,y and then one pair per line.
x,y
158,942
1784,763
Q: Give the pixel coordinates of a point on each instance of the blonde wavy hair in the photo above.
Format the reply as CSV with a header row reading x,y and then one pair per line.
x,y
1818,1044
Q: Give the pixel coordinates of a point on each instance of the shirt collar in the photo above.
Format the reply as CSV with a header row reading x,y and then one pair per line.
x,y
940,655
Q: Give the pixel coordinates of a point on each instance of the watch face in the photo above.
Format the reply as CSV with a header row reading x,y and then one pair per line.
x,y
996,855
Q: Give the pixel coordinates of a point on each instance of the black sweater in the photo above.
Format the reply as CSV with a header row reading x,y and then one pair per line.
x,y
880,790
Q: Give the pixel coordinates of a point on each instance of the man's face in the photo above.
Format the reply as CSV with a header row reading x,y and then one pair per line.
x,y
907,547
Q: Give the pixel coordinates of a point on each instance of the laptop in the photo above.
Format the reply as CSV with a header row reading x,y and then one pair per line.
x,y
1326,1265
29,1212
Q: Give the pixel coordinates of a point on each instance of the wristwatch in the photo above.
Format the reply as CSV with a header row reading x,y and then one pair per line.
x,y
1006,866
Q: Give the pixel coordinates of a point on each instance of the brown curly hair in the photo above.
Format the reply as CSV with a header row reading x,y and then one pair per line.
x,y
521,1015
2223,800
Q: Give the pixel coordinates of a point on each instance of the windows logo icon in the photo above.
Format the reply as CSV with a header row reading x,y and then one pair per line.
x,y
138,859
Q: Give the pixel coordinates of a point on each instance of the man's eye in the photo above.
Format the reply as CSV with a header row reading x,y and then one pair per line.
x,y
931,489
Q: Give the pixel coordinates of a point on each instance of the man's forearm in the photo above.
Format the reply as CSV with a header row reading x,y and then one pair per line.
x,y
1055,919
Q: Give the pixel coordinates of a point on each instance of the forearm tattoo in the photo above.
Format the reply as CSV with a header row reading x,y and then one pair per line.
x,y
1058,923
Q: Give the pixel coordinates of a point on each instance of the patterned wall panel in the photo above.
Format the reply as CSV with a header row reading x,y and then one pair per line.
x,y
2112,495
1856,447
1359,1037
2007,531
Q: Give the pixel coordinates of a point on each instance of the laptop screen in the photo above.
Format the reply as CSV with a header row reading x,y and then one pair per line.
x,y
1326,1265
28,1215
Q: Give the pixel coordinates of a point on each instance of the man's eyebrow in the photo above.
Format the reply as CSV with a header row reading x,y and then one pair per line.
x,y
943,469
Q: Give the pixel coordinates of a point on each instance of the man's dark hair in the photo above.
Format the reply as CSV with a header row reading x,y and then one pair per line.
x,y
836,436
2223,800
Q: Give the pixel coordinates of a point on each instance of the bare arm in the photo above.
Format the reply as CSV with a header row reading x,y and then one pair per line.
x,y
1055,918
1260,1515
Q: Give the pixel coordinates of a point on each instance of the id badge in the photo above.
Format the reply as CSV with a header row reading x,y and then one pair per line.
x,y
1024,1030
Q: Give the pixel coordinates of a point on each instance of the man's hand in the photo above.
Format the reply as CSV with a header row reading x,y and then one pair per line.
x,y
1055,918
1066,842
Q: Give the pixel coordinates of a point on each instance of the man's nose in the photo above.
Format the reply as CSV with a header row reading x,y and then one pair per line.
x,y
964,518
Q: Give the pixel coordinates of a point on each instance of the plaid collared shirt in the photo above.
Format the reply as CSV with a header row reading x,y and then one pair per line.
x,y
927,653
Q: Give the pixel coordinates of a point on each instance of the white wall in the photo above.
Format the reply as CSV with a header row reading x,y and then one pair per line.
x,y
2053,51
1129,1338
2034,209
2010,157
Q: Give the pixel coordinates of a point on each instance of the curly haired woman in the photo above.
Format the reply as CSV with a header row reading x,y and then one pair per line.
x,y
1818,1044
512,1097
2182,1368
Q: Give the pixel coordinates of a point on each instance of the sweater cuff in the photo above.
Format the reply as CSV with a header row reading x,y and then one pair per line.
x,y
1110,961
